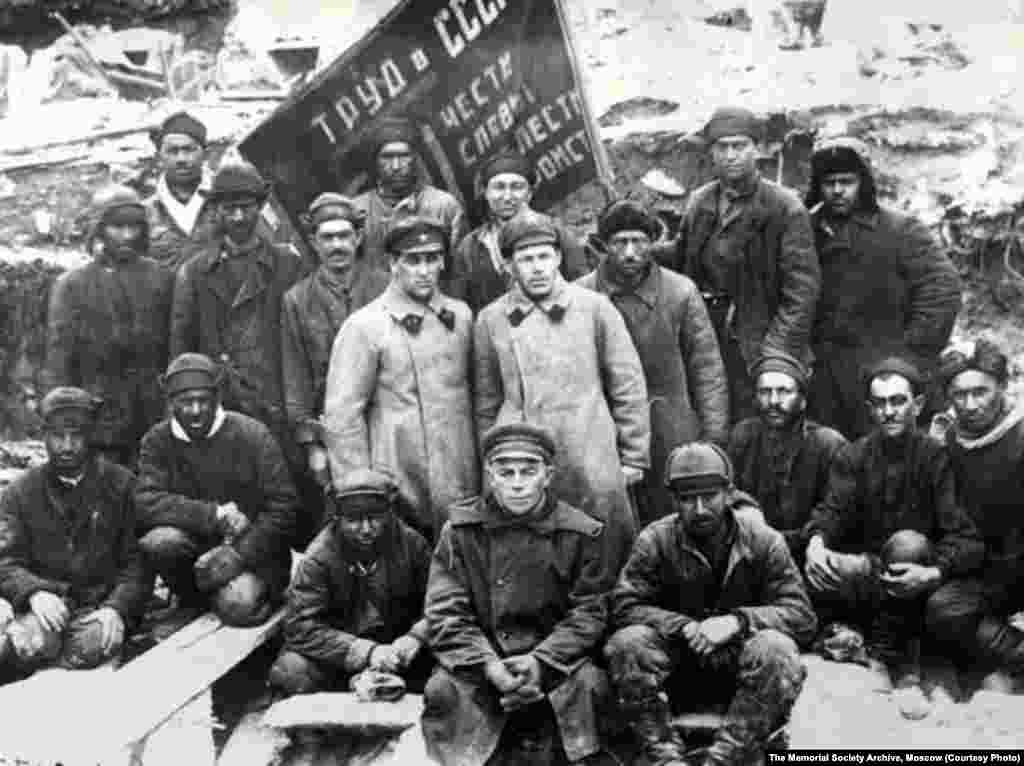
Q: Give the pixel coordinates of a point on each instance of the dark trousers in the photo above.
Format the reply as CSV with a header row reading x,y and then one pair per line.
x,y
33,646
295,673
970,619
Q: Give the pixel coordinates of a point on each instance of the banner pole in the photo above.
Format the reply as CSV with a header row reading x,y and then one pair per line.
x,y
604,172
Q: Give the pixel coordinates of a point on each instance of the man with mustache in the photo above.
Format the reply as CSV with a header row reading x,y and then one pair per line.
x,y
891,528
108,326
71,573
781,457
398,393
887,288
747,243
356,601
216,504
312,312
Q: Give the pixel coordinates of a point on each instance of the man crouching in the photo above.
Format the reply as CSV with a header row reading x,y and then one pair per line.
x,y
516,606
70,567
710,608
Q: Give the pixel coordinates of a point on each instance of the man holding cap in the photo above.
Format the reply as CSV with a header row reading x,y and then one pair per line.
x,y
70,566
891,528
782,458
478,273
666,317
356,600
516,609
401,191
312,312
217,507
887,288
560,355
747,244
710,606
398,393
108,326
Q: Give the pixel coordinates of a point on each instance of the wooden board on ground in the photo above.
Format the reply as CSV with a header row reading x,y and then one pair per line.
x,y
343,710
253,743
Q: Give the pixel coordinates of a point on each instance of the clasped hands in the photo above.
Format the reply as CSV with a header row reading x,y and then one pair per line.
x,y
517,679
396,656
707,636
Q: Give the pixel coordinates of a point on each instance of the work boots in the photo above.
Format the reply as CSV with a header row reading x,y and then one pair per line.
x,y
1002,644
650,718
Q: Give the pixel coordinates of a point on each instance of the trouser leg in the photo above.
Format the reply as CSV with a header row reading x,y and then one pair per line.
x,y
172,553
294,673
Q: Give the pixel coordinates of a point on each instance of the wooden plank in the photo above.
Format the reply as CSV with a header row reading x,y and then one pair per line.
x,y
253,743
343,710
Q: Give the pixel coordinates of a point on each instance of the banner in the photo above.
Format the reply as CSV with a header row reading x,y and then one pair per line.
x,y
475,76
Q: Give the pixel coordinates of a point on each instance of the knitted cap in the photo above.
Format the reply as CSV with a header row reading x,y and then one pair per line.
x,y
390,131
238,179
117,203
894,365
69,401
506,162
698,467
182,123
732,121
780,361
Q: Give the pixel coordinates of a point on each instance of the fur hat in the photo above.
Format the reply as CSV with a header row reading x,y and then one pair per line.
x,y
732,121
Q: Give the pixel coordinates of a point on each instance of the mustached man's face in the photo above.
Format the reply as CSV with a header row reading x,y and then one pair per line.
x,y
779,399
893,405
336,243
839,191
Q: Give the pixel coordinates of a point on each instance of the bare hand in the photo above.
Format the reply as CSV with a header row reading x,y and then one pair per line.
x,y
111,627
818,569
50,609
1016,621
6,613
384,658
720,630
527,669
632,475
908,580
500,677
406,648
318,465
231,522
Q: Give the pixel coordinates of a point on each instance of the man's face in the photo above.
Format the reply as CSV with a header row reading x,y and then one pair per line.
x,y
734,157
181,159
703,513
67,445
507,194
518,484
893,405
839,191
195,409
336,242
121,241
629,253
534,268
977,399
396,165
779,399
363,530
239,216
418,274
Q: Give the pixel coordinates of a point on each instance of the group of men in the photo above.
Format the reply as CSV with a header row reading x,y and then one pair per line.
x,y
555,498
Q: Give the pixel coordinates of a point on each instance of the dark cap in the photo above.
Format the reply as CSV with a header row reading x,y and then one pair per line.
x,y
238,179
524,440
390,131
331,206
182,123
117,203
843,154
732,121
69,401
982,355
894,365
698,467
780,361
364,490
506,162
626,215
527,228
190,371
415,234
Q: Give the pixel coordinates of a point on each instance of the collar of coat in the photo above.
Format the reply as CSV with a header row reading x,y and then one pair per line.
x,y
560,296
863,218
1009,421
746,516
181,435
265,255
483,511
185,214
400,305
646,292
707,202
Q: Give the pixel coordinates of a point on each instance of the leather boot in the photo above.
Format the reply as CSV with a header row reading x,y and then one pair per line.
x,y
650,718
1002,644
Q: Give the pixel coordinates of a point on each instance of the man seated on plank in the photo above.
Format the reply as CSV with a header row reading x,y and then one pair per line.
x,y
217,506
71,574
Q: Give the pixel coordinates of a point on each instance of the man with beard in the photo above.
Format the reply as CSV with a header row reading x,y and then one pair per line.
x,y
216,503
108,326
398,394
356,601
686,388
782,458
312,312
69,562
747,244
887,287
983,618
478,274
891,529
559,355
516,609
710,606
401,192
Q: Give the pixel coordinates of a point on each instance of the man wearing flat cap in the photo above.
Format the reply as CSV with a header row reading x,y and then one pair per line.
x,y
516,610
981,619
560,355
891,528
478,275
108,325
217,506
747,243
312,312
228,305
401,190
781,457
887,288
666,317
70,566
356,601
709,607
398,392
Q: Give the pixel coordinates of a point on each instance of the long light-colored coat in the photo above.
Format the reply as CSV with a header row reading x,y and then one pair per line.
x,y
401,402
578,375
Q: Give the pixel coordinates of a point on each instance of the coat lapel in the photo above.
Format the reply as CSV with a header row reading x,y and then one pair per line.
x,y
258,279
